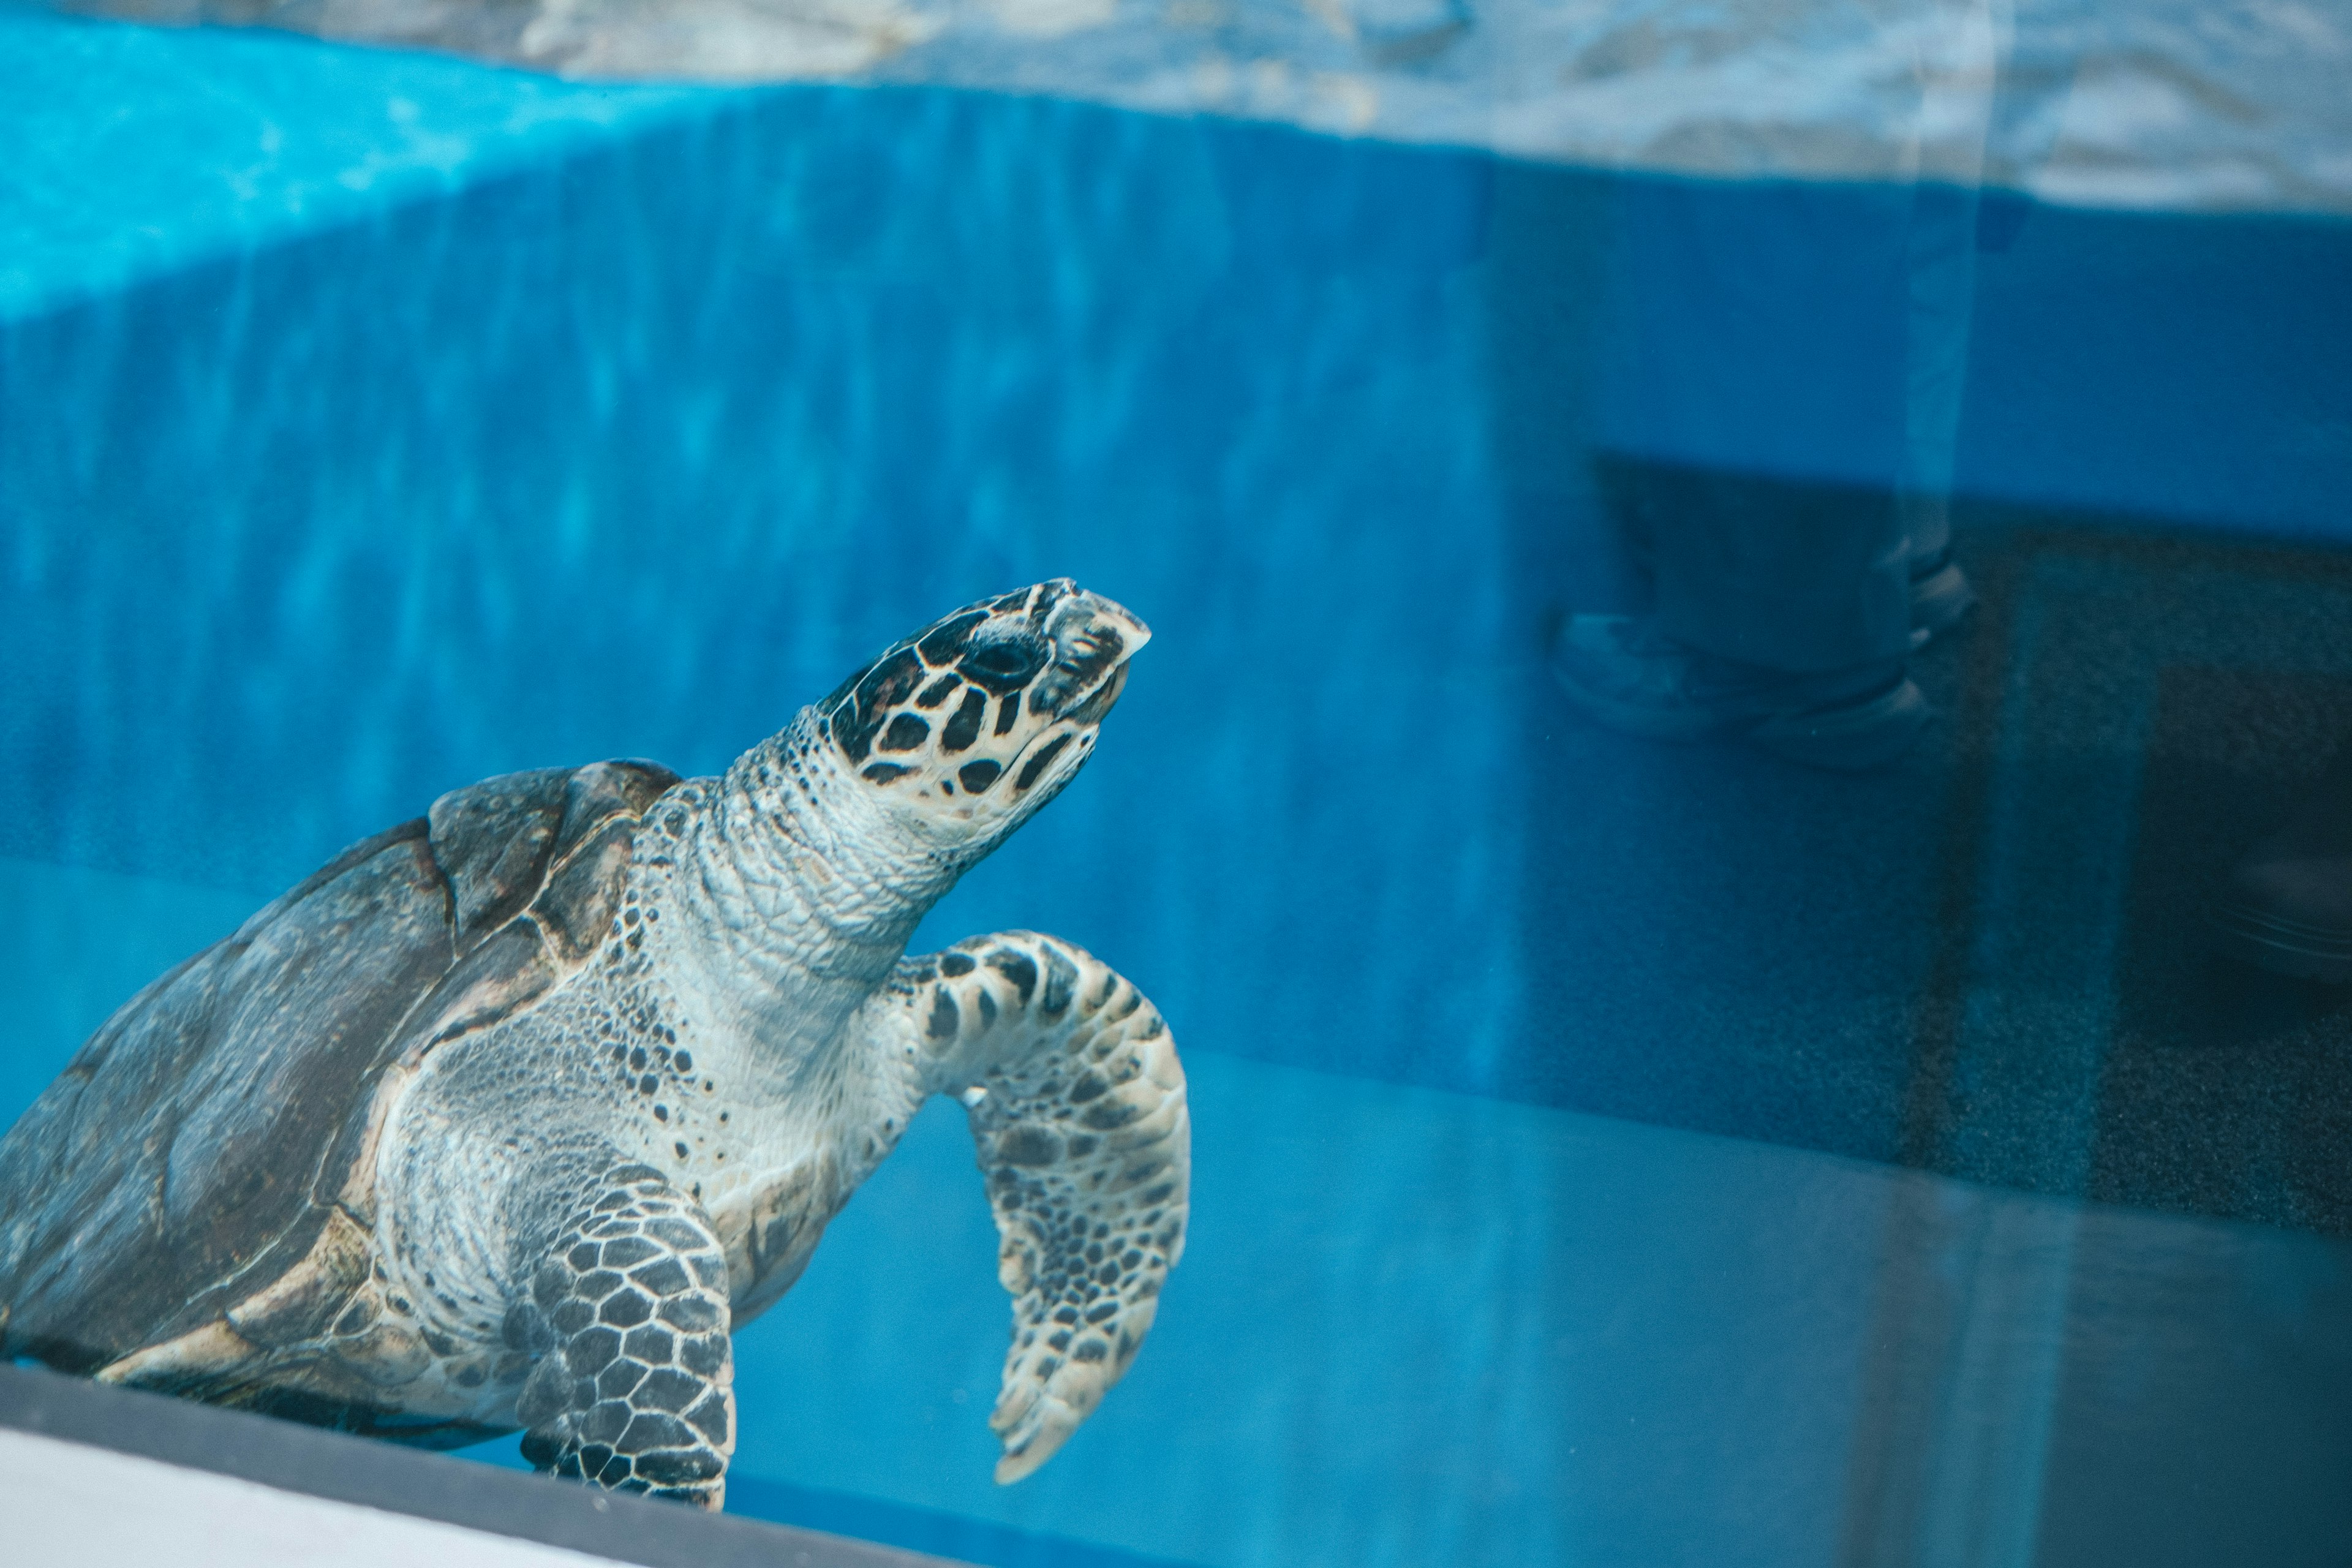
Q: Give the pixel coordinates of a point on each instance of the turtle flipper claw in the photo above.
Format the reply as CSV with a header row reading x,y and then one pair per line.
x,y
1077,1102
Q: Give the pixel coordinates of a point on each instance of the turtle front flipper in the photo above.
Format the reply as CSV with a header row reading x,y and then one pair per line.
x,y
633,1388
1077,1100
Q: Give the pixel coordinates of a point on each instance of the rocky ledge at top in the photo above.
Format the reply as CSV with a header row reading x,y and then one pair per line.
x,y
2191,105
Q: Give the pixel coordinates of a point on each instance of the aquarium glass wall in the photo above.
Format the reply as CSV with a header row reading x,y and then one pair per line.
x,y
1739,805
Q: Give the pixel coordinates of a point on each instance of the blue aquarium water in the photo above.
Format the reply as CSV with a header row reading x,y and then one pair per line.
x,y
1605,1151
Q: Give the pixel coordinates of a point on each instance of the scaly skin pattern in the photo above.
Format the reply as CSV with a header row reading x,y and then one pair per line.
x,y
582,1168
635,1380
573,1206
706,1045
1076,1102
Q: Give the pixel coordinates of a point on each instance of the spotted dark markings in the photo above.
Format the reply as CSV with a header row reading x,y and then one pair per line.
x,y
1018,967
944,1016
858,716
1004,664
888,683
955,965
963,728
1061,984
937,692
1109,1115
976,777
884,772
1098,649
835,698
906,733
1029,1145
943,642
1008,713
1038,763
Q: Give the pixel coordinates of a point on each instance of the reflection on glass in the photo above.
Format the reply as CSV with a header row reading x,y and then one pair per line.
x,y
1739,795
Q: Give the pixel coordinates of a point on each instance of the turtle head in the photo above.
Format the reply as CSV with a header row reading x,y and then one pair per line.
x,y
972,723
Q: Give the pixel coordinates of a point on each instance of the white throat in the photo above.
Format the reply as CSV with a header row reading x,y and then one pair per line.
x,y
786,892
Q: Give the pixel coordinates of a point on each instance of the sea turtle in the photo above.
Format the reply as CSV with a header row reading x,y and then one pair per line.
x,y
507,1114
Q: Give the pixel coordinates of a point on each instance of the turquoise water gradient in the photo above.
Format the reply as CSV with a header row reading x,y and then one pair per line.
x,y
133,151
371,424
1415,1328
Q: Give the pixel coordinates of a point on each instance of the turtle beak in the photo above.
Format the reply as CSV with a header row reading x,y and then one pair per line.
x,y
1093,639
1090,710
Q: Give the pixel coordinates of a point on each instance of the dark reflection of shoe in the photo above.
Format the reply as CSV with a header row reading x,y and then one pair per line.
x,y
1940,598
2287,904
1621,673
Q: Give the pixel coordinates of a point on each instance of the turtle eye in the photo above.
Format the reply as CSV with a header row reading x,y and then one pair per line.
x,y
1004,664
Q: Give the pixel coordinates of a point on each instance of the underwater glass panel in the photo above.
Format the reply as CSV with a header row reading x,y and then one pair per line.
x,y
1740,802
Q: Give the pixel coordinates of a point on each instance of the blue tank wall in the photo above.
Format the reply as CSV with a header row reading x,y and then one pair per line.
x,y
632,449
634,440
636,453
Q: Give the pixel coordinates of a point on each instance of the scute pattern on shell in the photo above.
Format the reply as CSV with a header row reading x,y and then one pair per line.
x,y
191,1155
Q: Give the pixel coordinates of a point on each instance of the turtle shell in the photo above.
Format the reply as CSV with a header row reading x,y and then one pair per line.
x,y
204,1142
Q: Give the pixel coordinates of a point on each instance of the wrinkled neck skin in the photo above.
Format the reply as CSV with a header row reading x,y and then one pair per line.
x,y
789,892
